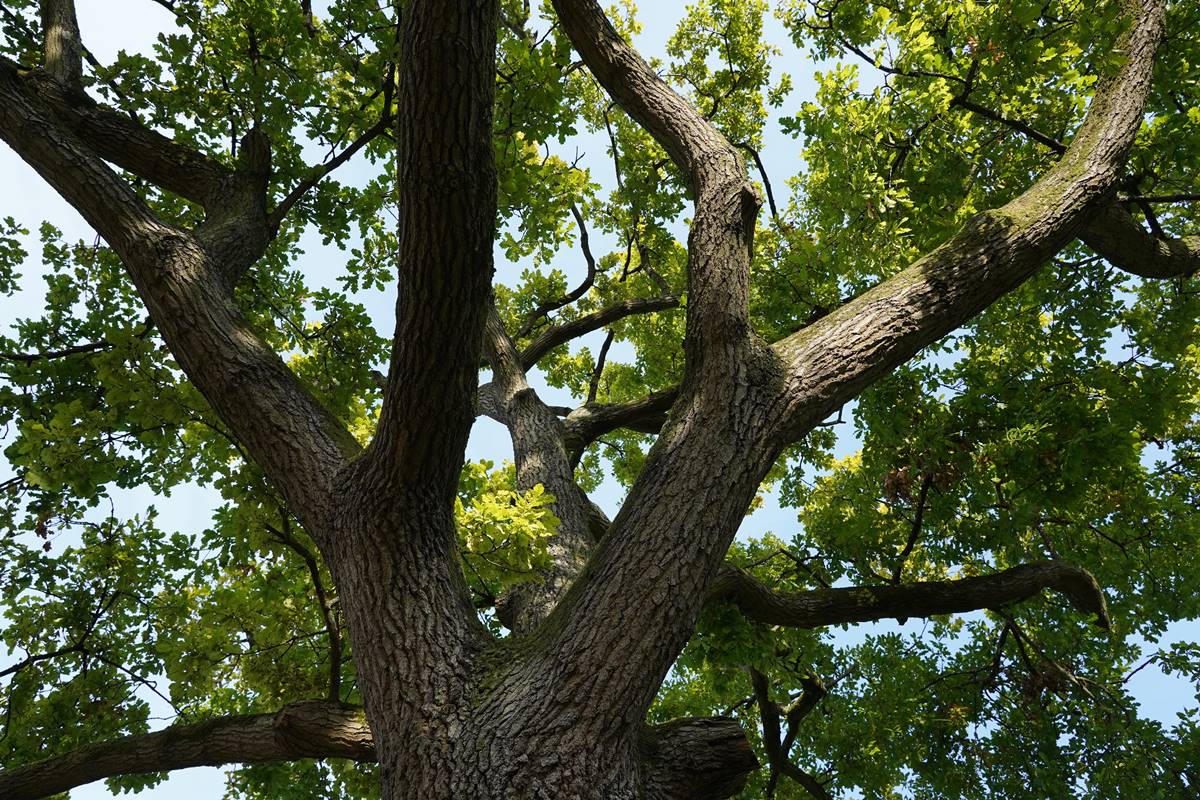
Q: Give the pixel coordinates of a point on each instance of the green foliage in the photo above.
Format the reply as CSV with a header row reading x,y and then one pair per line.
x,y
502,532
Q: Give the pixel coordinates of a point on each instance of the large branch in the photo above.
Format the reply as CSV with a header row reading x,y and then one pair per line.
x,y
703,758
296,441
632,610
821,607
446,196
834,359
1114,234
124,141
301,730
718,329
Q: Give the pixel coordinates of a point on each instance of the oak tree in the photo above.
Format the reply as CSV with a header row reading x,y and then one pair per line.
x,y
986,254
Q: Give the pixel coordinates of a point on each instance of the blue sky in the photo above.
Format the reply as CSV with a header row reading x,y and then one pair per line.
x,y
111,25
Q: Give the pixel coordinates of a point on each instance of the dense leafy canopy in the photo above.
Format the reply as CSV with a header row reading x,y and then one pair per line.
x,y
1062,423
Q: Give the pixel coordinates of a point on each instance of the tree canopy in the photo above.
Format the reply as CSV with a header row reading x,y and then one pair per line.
x,y
959,339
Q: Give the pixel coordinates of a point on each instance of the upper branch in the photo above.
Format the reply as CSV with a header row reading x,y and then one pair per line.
x,y
124,141
561,334
646,415
447,209
275,218
579,291
314,729
183,282
718,328
821,607
832,360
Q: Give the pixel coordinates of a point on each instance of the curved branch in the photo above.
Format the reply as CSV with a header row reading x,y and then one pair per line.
x,y
297,442
541,458
1114,234
821,607
570,297
561,334
311,729
718,328
835,358
324,604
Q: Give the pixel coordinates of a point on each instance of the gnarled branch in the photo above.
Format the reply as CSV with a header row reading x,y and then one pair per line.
x,y
311,729
646,415
541,458
821,607
704,758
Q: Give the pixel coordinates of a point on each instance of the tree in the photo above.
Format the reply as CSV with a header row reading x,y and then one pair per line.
x,y
967,250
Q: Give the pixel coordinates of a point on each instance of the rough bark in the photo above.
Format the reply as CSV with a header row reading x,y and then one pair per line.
x,y
394,550
540,453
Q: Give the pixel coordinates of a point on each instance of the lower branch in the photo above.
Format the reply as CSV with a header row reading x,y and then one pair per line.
x,y
1114,234
821,607
313,729
706,758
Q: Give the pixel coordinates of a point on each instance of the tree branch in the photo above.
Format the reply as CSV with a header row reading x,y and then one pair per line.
x,y
833,359
726,202
63,51
541,458
1017,125
822,607
591,421
550,338
705,758
275,218
296,441
314,729
332,629
570,297
446,198
124,141
79,349
1114,234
